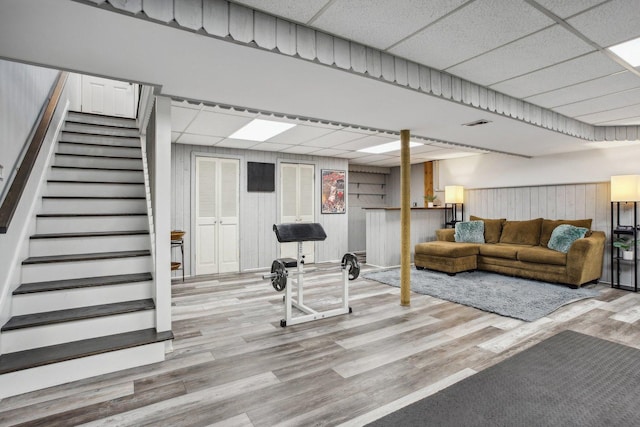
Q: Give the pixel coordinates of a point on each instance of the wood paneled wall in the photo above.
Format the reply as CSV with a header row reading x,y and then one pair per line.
x,y
366,190
258,211
567,201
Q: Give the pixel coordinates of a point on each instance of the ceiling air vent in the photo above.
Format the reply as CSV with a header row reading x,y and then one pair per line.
x,y
477,123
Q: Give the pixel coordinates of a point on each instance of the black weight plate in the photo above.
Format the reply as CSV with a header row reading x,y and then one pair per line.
x,y
279,280
350,261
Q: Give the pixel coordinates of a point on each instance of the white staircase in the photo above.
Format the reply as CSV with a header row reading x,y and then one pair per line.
x,y
84,306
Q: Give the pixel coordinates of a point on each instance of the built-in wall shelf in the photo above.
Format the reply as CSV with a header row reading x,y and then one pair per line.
x,y
368,194
368,189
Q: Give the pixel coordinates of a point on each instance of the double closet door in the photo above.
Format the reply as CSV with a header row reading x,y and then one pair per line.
x,y
217,215
297,183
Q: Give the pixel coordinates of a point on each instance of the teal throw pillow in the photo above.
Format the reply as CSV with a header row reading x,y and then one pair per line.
x,y
469,232
564,235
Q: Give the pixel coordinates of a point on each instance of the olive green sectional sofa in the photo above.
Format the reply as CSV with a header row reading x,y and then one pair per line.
x,y
518,248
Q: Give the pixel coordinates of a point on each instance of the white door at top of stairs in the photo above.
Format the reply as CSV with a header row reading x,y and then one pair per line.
x,y
217,215
109,97
297,196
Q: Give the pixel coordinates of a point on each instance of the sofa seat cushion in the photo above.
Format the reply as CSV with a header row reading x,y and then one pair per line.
x,y
540,255
502,250
448,249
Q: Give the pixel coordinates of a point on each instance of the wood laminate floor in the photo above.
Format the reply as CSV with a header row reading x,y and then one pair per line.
x,y
233,365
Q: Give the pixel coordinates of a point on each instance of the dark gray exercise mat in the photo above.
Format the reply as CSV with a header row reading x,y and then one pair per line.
x,y
570,379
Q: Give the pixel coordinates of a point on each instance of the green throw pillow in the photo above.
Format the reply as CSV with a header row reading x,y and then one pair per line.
x,y
564,235
469,232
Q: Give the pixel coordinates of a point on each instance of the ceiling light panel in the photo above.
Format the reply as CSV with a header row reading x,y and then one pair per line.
x,y
260,130
387,147
628,51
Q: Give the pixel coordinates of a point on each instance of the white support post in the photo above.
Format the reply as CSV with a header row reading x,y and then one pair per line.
x,y
161,210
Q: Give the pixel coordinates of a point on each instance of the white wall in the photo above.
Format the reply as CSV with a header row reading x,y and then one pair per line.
x,y
23,92
417,186
258,210
498,170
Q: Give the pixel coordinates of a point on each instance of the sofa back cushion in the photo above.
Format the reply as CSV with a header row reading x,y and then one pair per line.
x,y
492,228
522,232
548,225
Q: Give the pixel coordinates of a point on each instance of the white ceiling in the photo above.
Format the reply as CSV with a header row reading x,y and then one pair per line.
x,y
547,52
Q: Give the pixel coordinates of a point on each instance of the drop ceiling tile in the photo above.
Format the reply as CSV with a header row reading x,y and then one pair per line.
x,y
367,141
367,21
175,136
523,56
610,23
564,8
181,117
270,146
591,89
300,149
215,124
423,149
601,104
630,121
375,158
351,155
627,114
187,138
299,10
464,34
299,134
382,163
333,139
237,143
590,66
329,152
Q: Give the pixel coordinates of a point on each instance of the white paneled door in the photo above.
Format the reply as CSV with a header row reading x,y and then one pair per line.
x,y
217,212
297,183
109,97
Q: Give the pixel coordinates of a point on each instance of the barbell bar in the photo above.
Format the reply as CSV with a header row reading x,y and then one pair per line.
x,y
279,273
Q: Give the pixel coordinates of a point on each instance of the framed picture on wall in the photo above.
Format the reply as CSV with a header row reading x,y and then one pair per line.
x,y
333,188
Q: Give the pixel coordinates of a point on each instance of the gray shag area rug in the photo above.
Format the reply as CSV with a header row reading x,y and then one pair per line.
x,y
570,379
508,296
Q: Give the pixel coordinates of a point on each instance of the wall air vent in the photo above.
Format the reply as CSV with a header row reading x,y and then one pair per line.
x,y
477,123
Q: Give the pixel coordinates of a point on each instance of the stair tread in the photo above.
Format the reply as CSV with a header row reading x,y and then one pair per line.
x,y
58,285
76,215
27,359
67,131
96,145
100,156
84,257
63,181
90,234
97,197
96,168
73,314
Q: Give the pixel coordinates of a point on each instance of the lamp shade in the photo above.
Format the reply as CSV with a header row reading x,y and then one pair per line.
x,y
625,188
454,194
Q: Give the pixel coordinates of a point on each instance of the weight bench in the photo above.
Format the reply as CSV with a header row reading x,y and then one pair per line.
x,y
299,233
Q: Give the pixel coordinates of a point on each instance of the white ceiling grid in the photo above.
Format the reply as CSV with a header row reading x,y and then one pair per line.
x,y
547,52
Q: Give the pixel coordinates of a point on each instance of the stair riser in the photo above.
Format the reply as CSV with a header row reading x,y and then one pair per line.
x,y
15,383
97,162
74,189
39,302
81,269
88,224
91,175
100,120
98,150
89,206
76,245
100,139
99,130
58,333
